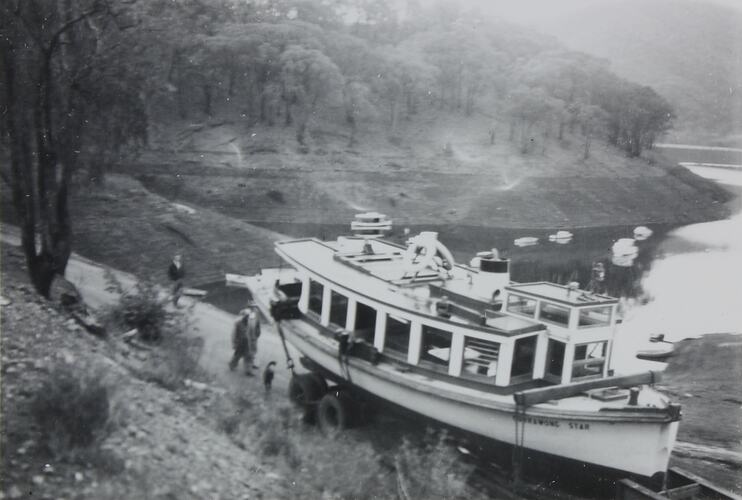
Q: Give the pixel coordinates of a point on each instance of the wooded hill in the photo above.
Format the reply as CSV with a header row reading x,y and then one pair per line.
x,y
361,61
115,71
689,51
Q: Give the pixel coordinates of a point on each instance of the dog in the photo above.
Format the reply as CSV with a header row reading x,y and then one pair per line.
x,y
268,375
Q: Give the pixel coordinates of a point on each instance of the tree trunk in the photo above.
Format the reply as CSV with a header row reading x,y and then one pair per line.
x,y
45,200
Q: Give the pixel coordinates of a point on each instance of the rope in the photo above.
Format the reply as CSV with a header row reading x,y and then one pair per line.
x,y
518,447
289,361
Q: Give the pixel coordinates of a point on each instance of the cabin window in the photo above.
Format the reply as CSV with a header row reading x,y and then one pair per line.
x,y
365,325
397,336
555,314
595,316
555,358
435,348
589,360
338,309
524,355
521,305
480,359
315,296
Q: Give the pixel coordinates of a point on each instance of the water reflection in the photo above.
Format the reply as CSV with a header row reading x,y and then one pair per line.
x,y
694,287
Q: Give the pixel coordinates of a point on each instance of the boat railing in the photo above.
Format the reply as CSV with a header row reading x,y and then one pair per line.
x,y
541,395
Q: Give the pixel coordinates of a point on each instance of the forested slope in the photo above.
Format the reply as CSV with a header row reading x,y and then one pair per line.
x,y
689,51
304,110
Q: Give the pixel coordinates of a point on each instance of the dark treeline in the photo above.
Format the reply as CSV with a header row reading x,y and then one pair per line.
x,y
83,81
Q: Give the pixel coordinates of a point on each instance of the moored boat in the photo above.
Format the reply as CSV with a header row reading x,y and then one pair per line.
x,y
527,364
525,241
370,225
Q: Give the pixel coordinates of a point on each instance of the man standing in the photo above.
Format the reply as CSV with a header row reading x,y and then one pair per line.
x,y
176,273
245,340
240,342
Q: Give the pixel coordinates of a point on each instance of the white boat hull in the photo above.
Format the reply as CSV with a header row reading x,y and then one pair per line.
x,y
638,447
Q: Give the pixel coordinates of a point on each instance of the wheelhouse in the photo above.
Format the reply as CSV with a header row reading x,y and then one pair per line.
x,y
581,327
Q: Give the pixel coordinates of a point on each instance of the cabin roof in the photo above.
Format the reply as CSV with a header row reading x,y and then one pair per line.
x,y
379,276
561,293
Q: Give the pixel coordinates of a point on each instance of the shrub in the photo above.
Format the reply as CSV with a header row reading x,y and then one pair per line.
x,y
340,468
432,469
177,360
71,408
141,308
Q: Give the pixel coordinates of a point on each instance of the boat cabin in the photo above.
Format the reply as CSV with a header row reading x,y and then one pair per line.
x,y
531,334
580,325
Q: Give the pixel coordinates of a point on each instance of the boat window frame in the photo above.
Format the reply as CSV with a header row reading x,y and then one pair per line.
x,y
548,361
547,303
321,286
430,364
370,338
582,363
596,325
333,294
519,377
478,376
394,353
523,298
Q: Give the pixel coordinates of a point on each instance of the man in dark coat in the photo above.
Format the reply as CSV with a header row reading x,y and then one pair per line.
x,y
176,273
245,340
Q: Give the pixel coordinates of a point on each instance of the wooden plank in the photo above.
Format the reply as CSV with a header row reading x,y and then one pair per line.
x,y
707,487
626,489
540,395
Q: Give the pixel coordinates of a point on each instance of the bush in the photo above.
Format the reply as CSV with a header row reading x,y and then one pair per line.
x,y
176,360
432,469
72,409
140,308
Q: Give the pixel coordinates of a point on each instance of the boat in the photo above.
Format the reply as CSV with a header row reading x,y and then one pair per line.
x,y
525,364
561,237
625,247
370,225
525,241
641,233
660,352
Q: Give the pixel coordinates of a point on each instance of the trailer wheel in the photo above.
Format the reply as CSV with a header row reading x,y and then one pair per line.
x,y
334,413
306,389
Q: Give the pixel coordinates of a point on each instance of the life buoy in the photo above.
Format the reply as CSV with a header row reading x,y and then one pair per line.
x,y
425,250
445,255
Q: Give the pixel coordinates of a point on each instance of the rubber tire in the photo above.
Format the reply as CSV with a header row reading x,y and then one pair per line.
x,y
306,389
334,413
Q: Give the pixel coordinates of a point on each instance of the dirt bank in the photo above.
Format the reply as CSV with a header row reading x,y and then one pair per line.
x,y
260,176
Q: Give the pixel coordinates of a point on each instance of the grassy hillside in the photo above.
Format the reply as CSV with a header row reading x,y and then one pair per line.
x,y
259,175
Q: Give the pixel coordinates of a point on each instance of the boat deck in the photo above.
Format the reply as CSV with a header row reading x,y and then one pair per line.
x,y
380,275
